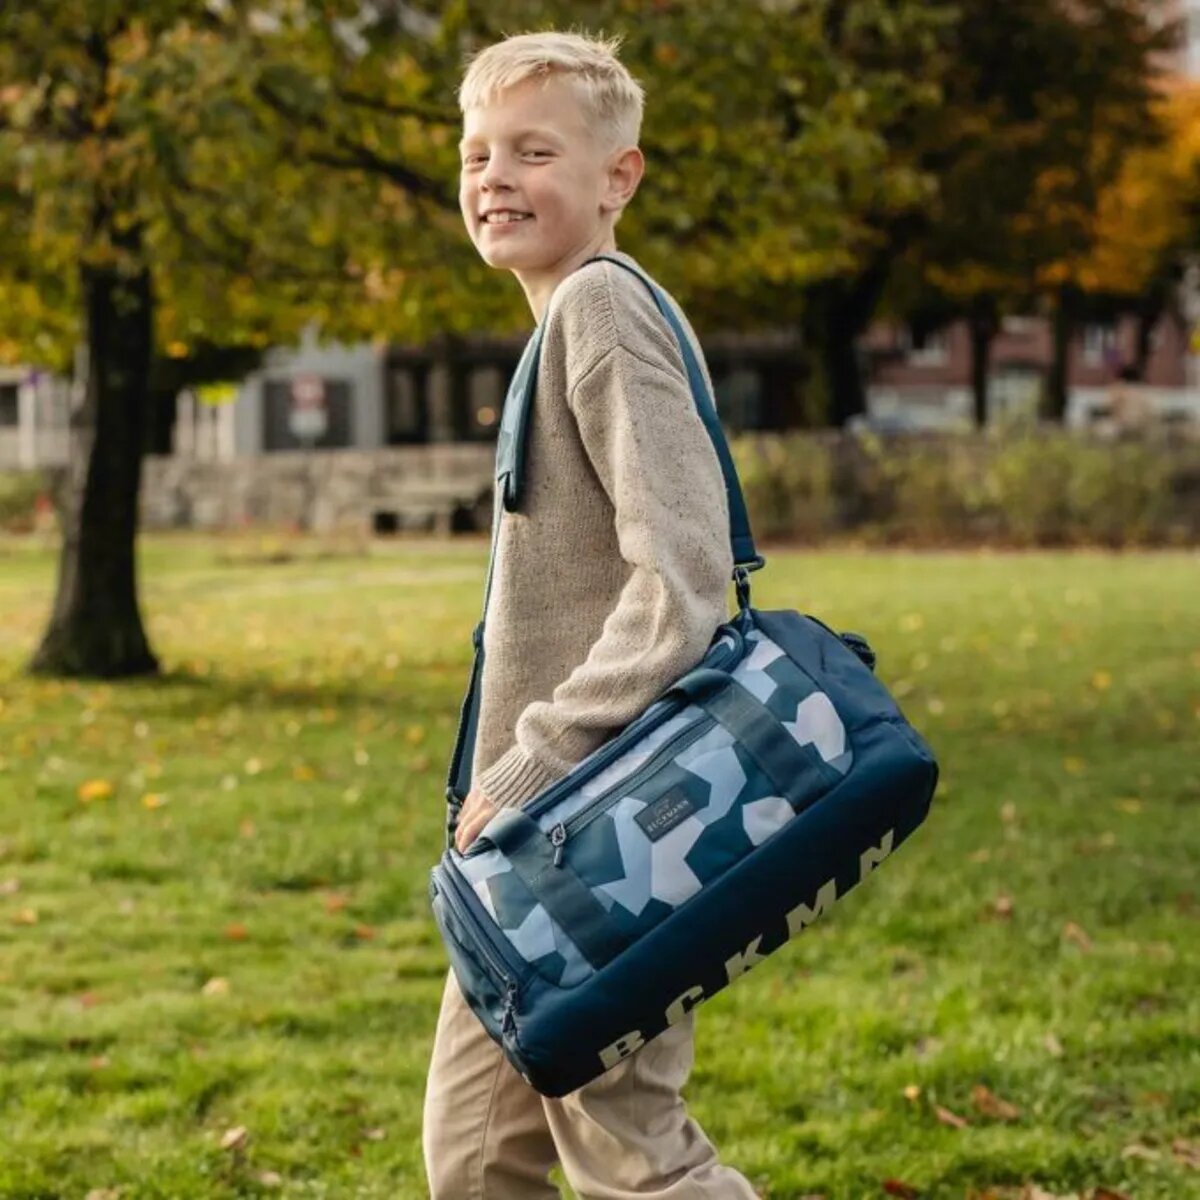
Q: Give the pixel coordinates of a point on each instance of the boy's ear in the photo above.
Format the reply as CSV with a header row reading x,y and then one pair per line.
x,y
624,174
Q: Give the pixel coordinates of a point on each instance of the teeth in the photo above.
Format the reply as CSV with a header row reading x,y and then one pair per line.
x,y
505,218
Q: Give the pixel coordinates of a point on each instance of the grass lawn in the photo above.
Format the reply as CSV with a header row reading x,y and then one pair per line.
x,y
219,975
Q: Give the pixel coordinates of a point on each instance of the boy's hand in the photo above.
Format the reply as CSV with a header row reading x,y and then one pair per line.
x,y
477,810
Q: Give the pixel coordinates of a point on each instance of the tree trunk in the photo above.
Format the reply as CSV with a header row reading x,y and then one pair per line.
x,y
96,627
840,311
983,324
1151,307
1058,381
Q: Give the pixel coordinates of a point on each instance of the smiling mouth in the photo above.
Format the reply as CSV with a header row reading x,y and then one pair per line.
x,y
506,219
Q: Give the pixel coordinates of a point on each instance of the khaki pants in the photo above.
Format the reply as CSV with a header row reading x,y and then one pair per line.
x,y
488,1135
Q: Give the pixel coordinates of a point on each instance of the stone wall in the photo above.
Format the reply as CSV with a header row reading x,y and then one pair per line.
x,y
438,487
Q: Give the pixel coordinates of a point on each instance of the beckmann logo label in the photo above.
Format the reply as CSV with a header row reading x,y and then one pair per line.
x,y
669,810
799,917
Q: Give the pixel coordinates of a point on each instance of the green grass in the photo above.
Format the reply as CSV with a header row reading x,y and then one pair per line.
x,y
276,803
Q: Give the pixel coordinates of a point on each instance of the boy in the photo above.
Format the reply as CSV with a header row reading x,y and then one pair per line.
x,y
608,585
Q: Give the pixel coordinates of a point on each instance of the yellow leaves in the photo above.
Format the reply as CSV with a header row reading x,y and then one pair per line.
x,y
1074,933
25,916
912,1093
218,985
949,1118
414,735
991,1105
153,800
94,789
252,766
235,1139
303,773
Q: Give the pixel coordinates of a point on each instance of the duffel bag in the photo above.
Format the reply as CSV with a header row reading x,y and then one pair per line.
x,y
751,794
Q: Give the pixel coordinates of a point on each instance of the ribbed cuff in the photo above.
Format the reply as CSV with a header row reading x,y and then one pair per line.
x,y
514,778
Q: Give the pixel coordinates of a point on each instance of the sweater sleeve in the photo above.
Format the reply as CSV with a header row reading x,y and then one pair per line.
x,y
656,463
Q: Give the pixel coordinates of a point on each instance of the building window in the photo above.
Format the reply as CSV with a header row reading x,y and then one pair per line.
x,y
10,412
485,402
280,430
1099,345
407,416
738,396
931,349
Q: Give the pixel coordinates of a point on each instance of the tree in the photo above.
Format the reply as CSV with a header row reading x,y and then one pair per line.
x,y
148,197
1040,104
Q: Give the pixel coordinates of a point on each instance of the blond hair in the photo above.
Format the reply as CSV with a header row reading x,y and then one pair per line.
x,y
611,97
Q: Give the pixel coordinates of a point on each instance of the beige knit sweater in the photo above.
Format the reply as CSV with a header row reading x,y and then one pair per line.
x,y
611,579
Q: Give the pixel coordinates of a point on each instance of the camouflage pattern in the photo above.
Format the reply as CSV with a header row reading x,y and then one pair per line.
x,y
735,807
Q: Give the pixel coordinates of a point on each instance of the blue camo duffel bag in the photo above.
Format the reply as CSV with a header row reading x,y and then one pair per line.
x,y
751,794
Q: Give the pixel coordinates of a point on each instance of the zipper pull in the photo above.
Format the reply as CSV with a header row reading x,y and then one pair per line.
x,y
508,1022
558,836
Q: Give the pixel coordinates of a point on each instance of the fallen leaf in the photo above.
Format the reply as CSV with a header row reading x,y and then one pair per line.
x,y
1073,933
216,986
1102,681
335,902
153,800
894,1187
1008,812
991,1105
1187,1152
235,1138
247,828
270,1178
25,916
1053,1045
303,773
912,1092
948,1118
9,887
95,789
1002,906
235,931
364,932
89,999
375,1135
979,856
1074,765
1137,1150
98,1062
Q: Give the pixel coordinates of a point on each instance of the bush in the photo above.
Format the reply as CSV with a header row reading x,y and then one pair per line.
x,y
19,492
1049,489
788,482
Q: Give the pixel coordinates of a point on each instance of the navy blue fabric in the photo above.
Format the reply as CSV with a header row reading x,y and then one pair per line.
x,y
557,887
744,552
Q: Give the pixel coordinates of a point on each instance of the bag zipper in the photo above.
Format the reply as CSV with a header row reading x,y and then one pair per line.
x,y
611,751
680,741
501,969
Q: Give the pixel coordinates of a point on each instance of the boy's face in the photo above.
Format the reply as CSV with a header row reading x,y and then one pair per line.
x,y
531,152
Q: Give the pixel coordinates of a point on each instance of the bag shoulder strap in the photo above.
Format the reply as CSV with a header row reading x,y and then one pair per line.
x,y
510,478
